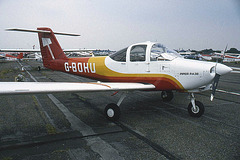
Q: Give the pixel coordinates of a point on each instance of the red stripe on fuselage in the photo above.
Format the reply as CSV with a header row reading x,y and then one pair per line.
x,y
161,82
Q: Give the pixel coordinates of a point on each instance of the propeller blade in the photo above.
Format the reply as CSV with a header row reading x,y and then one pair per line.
x,y
214,85
224,53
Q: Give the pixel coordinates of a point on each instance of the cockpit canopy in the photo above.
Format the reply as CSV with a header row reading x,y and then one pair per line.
x,y
160,52
147,51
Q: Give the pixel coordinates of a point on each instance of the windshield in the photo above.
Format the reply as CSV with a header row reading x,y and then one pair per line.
x,y
160,52
120,55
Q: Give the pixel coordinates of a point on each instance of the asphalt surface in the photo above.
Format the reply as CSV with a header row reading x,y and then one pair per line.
x,y
72,126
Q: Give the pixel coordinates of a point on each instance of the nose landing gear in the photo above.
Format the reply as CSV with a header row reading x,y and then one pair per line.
x,y
195,108
167,96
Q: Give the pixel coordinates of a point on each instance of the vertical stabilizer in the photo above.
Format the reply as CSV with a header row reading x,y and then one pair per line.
x,y
50,48
20,56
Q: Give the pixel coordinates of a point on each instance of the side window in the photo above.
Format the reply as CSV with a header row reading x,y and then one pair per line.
x,y
119,55
138,53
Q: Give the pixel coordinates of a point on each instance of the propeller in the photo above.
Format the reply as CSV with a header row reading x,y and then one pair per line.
x,y
224,52
220,69
214,84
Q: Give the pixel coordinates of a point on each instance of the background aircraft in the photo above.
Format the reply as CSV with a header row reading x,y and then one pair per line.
x,y
231,58
35,54
10,57
141,66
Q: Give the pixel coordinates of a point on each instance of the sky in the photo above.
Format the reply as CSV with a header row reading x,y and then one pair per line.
x,y
115,24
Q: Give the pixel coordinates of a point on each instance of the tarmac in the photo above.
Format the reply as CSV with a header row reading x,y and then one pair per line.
x,y
72,125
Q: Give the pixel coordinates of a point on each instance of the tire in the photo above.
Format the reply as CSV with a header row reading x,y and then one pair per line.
x,y
112,112
167,96
199,109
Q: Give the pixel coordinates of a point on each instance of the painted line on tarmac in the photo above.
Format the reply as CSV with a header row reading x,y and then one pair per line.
x,y
139,135
235,71
34,79
105,150
228,92
39,104
235,68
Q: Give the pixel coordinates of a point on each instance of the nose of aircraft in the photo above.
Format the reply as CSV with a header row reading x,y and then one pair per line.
x,y
222,69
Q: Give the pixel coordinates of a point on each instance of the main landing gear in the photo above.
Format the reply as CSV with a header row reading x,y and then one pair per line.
x,y
112,110
195,108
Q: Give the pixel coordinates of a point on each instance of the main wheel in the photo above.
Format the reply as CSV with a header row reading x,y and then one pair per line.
x,y
112,112
198,111
167,96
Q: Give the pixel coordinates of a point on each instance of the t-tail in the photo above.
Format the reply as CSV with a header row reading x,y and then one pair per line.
x,y
20,56
50,48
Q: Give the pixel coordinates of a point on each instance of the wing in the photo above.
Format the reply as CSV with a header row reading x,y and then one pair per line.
x,y
13,88
80,50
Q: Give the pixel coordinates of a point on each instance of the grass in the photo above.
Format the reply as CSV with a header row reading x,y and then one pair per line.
x,y
4,72
49,128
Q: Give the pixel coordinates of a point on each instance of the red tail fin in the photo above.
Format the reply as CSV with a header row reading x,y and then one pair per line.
x,y
20,56
50,48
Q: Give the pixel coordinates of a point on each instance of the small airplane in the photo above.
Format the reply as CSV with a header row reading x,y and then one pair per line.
x,y
141,66
231,58
222,57
205,57
37,52
11,57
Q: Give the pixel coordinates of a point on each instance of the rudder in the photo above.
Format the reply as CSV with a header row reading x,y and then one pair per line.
x,y
50,48
20,56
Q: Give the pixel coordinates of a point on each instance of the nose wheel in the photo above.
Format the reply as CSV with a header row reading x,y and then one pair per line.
x,y
167,96
195,108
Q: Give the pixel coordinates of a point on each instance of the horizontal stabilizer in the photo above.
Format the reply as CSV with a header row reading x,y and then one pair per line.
x,y
40,31
38,50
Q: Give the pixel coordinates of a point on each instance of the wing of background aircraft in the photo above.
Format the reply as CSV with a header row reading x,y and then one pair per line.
x,y
19,56
14,88
19,50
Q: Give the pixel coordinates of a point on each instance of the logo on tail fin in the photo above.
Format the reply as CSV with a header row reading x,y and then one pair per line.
x,y
47,42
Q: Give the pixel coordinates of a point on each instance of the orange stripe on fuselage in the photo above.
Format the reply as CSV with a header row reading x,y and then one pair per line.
x,y
103,73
